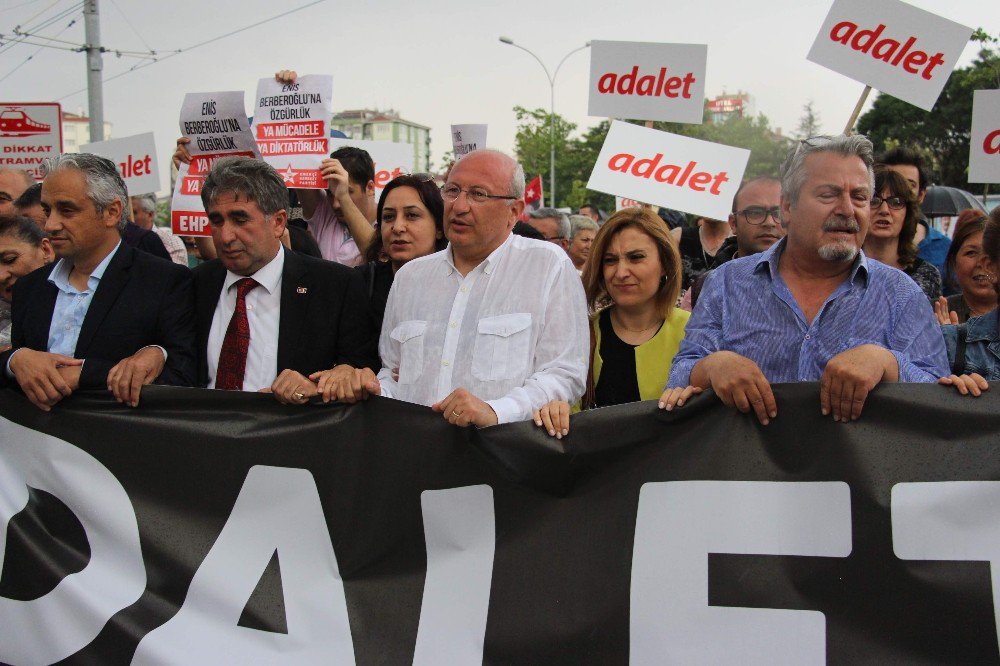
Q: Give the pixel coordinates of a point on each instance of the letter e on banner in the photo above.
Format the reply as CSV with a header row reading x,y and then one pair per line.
x,y
984,147
68,618
679,523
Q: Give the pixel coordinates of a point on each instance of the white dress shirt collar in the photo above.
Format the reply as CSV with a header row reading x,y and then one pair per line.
x,y
489,263
268,277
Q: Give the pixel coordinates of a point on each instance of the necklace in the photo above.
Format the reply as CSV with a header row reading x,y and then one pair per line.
x,y
632,330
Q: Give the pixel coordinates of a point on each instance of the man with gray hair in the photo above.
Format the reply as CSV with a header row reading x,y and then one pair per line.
x,y
552,224
104,314
811,307
144,216
270,319
492,327
582,231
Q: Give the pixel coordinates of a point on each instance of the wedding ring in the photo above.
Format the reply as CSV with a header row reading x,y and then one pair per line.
x,y
298,395
454,413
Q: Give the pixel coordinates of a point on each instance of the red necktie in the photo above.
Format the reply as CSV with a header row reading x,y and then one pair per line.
x,y
233,357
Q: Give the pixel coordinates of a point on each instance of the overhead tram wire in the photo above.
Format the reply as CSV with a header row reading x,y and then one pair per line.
x,y
171,54
26,60
19,35
136,32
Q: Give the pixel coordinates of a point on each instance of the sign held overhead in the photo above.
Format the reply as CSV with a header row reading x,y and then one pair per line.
x,y
984,146
135,157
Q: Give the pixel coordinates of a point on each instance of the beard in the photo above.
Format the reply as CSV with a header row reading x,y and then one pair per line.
x,y
840,251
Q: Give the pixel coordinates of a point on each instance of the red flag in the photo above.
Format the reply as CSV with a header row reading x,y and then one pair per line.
x,y
532,196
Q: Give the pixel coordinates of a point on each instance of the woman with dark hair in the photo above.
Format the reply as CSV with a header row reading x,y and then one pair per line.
x,y
964,271
632,279
23,248
893,226
974,347
409,224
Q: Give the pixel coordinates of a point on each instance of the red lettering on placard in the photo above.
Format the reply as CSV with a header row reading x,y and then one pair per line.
x,y
647,85
135,166
192,185
202,164
671,174
991,146
383,177
890,51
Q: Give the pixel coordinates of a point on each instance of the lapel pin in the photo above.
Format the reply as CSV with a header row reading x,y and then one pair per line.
x,y
301,290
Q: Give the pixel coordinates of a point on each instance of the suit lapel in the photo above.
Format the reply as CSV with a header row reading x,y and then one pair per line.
x,y
38,321
208,291
108,290
295,284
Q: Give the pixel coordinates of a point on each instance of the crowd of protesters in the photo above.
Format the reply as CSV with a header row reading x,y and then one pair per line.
x,y
451,296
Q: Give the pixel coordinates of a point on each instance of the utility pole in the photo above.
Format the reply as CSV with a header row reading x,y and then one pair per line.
x,y
95,66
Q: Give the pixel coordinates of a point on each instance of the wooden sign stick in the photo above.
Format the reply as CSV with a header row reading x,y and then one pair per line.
x,y
857,111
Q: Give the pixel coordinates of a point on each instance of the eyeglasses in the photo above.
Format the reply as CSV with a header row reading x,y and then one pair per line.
x,y
554,239
895,203
451,192
757,214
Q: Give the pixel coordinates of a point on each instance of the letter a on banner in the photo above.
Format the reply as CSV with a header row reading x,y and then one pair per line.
x,y
277,509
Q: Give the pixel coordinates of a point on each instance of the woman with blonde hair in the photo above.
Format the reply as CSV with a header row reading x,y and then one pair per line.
x,y
632,280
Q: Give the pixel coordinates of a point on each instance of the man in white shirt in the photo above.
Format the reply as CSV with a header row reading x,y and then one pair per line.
x,y
492,327
269,319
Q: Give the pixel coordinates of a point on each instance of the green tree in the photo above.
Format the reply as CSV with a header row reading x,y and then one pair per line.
x,y
531,143
809,123
941,134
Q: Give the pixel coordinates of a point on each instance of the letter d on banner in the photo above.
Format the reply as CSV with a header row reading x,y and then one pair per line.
x,y
114,578
679,523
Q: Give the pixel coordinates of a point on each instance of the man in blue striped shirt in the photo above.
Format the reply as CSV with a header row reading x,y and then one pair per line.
x,y
812,307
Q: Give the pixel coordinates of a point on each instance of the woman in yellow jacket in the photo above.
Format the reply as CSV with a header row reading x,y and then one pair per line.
x,y
632,280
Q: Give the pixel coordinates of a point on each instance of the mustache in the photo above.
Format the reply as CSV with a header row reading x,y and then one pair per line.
x,y
841,223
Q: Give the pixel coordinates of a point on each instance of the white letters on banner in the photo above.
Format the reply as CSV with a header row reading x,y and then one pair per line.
x,y
30,133
68,618
467,138
891,46
949,520
679,523
984,146
136,160
669,170
217,125
391,158
291,122
278,510
647,81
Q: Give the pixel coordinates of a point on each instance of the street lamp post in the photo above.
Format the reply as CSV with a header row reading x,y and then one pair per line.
x,y
552,110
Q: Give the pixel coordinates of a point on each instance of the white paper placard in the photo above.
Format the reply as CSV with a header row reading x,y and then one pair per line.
x,y
391,159
648,81
291,122
467,138
136,160
30,133
217,125
891,46
984,146
669,170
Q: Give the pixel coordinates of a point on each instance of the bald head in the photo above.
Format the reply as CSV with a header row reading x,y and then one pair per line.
x,y
13,183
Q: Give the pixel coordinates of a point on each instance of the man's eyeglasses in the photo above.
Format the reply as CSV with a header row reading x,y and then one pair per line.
x,y
895,203
476,194
757,214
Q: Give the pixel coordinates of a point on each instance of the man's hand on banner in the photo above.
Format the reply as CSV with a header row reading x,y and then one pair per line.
x,y
461,408
292,388
738,382
850,376
344,383
973,384
126,379
45,378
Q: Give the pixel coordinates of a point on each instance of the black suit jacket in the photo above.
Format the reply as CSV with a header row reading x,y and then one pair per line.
x,y
324,318
145,240
141,300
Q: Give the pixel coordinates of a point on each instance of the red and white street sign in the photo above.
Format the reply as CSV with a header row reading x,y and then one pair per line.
x,y
669,170
136,160
30,133
984,146
647,81
291,122
891,46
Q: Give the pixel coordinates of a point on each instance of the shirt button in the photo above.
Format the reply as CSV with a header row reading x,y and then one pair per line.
x,y
463,290
444,363
807,337
453,324
249,307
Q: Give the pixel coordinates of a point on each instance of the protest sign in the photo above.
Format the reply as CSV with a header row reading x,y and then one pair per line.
x,y
291,122
622,202
217,125
391,159
891,46
30,133
136,160
670,170
647,81
222,527
984,144
466,138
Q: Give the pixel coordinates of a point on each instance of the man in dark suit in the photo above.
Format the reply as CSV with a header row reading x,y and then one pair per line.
x,y
269,319
104,314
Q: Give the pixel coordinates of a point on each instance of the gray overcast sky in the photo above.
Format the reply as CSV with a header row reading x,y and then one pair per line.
x,y
437,62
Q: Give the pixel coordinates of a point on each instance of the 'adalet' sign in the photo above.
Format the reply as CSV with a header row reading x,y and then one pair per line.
x,y
670,170
647,81
135,157
891,46
984,146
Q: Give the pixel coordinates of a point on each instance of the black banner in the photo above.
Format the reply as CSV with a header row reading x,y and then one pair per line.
x,y
218,527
